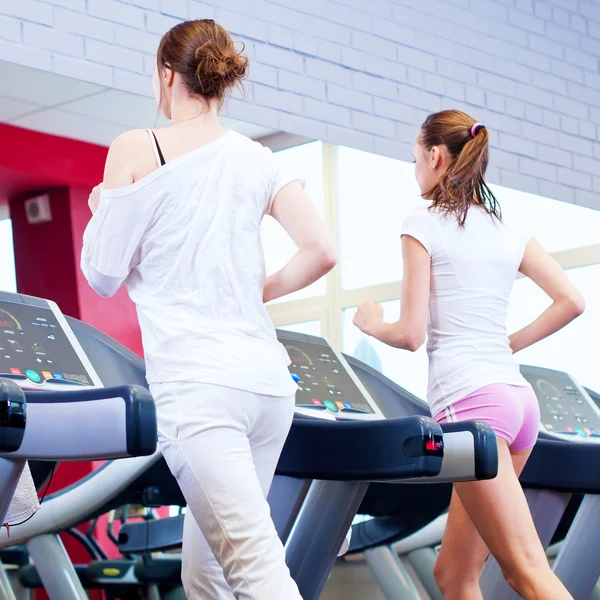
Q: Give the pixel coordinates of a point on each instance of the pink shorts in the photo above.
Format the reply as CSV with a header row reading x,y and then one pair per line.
x,y
511,411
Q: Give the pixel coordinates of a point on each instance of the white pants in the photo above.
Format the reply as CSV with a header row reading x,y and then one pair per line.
x,y
222,445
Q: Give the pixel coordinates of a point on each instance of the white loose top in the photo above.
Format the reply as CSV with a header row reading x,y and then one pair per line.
x,y
472,274
185,239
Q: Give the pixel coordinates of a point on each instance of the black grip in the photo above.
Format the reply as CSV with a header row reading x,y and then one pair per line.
x,y
13,416
360,451
485,446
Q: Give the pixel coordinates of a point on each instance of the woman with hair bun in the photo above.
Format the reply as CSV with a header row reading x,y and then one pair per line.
x,y
177,219
460,262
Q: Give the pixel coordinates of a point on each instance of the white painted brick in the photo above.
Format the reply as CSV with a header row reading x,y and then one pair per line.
x,y
594,29
325,29
525,6
302,126
48,38
406,132
560,16
494,11
149,64
590,46
28,10
588,130
394,70
238,24
535,168
578,23
589,9
175,8
78,5
83,70
416,58
417,97
350,98
542,10
475,96
569,125
10,29
511,70
563,35
322,111
434,84
279,99
111,10
581,59
540,134
585,198
150,4
133,82
570,107
504,160
534,60
108,54
395,32
301,84
516,108
575,144
554,155
348,137
393,149
545,46
518,145
549,82
585,164
266,75
372,44
454,90
136,39
534,113
279,57
524,21
251,113
395,110
505,123
567,71
201,10
307,44
453,70
376,86
329,51
556,191
278,36
551,119
157,23
535,95
23,55
489,81
354,59
519,182
574,178
371,124
495,102
354,19
326,71
84,25
415,77
511,35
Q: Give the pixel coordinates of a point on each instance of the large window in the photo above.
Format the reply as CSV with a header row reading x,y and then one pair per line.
x,y
364,199
8,280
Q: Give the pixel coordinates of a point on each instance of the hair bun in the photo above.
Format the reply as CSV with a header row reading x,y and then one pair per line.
x,y
219,68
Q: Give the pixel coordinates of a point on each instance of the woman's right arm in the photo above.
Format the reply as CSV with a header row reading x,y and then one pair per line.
x,y
316,254
567,302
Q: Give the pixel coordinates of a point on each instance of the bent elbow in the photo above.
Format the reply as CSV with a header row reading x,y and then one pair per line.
x,y
414,342
577,305
328,259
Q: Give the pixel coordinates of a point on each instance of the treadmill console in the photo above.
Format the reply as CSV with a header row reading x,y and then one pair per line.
x,y
38,349
327,385
566,409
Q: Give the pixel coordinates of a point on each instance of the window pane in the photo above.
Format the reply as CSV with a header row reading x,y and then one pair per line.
x,y
375,194
574,348
307,162
308,327
546,219
8,280
408,369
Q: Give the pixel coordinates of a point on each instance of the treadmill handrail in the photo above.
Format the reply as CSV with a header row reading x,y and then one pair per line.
x,y
13,416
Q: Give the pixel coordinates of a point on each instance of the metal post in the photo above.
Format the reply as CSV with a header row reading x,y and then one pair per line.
x,y
391,575
6,591
423,561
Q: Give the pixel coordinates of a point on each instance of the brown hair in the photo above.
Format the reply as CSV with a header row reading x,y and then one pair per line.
x,y
204,54
463,182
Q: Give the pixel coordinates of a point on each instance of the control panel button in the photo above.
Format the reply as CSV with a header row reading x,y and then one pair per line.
x,y
330,406
295,377
33,376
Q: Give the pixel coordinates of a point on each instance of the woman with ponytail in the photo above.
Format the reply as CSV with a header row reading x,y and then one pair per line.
x,y
460,262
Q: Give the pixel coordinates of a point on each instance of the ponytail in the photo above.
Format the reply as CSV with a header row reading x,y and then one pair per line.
x,y
463,184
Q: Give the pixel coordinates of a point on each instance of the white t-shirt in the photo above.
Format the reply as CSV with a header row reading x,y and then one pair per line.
x,y
186,241
472,274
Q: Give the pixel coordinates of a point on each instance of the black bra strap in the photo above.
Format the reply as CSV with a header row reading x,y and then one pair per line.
x,y
160,154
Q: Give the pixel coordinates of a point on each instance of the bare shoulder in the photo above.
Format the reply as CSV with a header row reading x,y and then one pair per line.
x,y
130,157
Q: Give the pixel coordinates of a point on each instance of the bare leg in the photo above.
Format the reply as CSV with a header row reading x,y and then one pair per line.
x,y
463,552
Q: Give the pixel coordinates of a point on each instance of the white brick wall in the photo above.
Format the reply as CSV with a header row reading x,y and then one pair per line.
x,y
366,72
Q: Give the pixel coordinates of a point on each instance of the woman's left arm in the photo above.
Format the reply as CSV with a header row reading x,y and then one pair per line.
x,y
409,332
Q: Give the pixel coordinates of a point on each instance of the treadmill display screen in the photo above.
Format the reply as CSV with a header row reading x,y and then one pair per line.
x,y
34,347
323,383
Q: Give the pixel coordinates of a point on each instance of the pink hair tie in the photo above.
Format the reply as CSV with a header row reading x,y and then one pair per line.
x,y
476,127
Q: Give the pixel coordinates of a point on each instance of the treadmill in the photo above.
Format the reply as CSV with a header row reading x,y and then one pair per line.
x,y
320,446
64,412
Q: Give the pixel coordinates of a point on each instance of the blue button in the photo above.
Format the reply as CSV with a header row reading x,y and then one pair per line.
x,y
295,377
33,376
